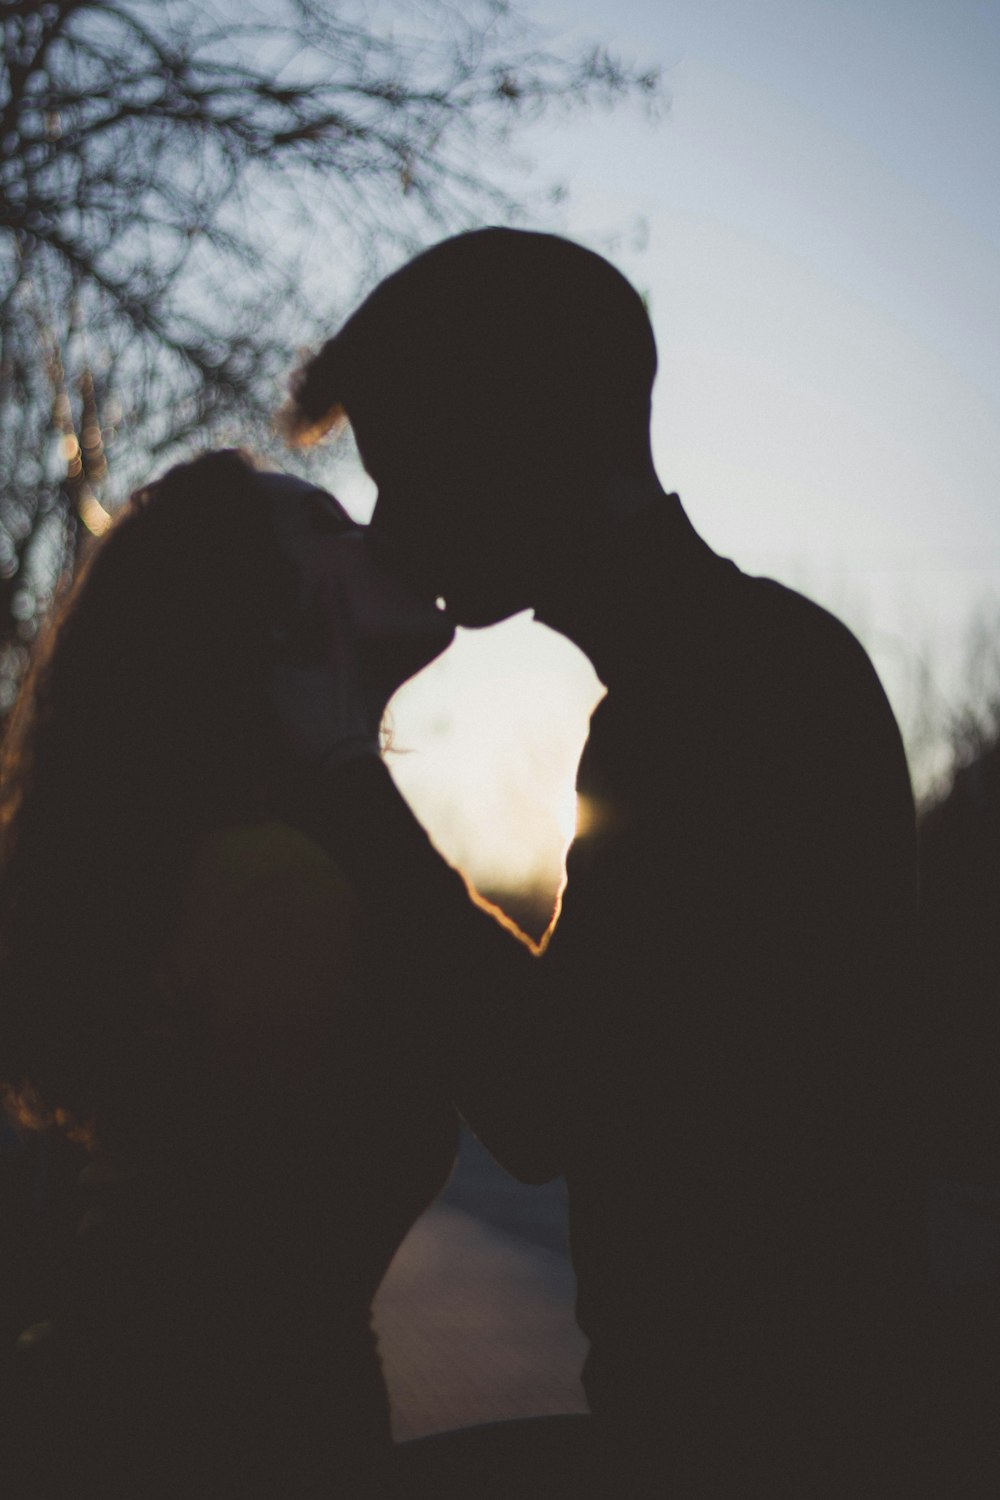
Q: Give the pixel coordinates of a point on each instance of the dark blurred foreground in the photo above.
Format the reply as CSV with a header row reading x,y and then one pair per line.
x,y
475,1318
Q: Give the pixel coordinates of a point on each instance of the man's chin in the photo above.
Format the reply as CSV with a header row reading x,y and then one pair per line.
x,y
478,614
393,660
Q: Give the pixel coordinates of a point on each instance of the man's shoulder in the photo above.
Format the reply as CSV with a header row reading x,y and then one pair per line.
x,y
738,634
825,719
752,668
804,626
807,649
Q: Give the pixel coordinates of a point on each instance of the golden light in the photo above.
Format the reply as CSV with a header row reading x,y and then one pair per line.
x,y
568,814
493,733
27,1112
69,447
589,816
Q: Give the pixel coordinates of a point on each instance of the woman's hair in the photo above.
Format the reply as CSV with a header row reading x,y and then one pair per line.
x,y
142,724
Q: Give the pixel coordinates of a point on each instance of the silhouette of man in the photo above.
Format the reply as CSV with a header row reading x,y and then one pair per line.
x,y
714,1046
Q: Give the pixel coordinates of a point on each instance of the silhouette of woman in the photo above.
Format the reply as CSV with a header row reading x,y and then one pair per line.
x,y
191,991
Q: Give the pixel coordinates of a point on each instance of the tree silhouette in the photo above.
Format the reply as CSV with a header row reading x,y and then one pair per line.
x,y
190,186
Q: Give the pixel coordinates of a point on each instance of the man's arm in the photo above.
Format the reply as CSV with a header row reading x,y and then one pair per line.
x,y
484,985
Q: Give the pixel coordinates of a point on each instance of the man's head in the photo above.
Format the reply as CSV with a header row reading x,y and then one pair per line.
x,y
496,385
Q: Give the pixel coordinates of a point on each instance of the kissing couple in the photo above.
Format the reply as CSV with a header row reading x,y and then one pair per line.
x,y
238,975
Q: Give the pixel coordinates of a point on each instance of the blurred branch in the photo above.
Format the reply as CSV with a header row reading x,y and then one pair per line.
x,y
947,734
189,190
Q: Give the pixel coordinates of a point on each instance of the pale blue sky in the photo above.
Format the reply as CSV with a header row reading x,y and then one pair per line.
x,y
821,255
823,267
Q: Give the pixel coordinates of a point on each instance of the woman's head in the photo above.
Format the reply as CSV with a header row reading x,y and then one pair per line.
x,y
143,723
139,725
357,611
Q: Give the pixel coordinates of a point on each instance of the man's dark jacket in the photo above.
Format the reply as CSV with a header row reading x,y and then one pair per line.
x,y
718,1047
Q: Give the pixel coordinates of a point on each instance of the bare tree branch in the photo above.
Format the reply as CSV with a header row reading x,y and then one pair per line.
x,y
188,189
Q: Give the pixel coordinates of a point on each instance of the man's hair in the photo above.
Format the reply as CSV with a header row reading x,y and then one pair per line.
x,y
517,348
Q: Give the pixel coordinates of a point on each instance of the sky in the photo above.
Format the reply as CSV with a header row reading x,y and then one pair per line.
x,y
815,223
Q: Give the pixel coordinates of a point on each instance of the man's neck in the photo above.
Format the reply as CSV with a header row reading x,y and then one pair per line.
x,y
589,599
